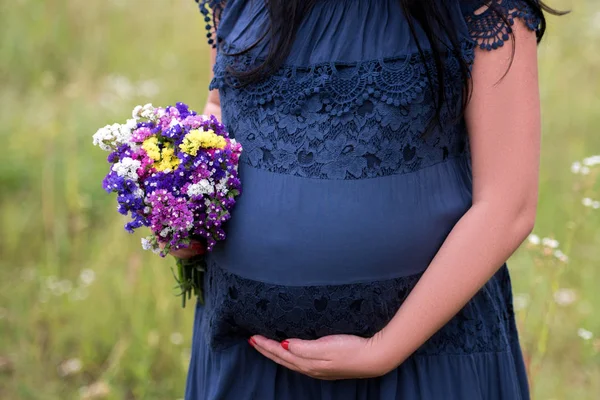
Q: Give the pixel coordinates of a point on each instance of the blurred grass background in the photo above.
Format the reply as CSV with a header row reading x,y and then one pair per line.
x,y
85,313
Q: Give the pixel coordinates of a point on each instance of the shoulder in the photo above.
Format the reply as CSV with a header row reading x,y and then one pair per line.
x,y
490,22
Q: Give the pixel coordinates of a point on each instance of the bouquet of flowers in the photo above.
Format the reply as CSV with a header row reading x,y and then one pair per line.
x,y
176,172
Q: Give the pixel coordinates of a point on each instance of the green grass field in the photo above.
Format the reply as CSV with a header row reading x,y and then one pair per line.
x,y
85,313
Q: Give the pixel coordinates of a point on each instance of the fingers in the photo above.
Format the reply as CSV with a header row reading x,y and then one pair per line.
x,y
275,358
183,253
195,248
274,348
309,349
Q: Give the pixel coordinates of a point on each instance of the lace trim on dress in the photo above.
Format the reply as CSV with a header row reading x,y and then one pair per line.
x,y
237,308
342,121
490,23
211,10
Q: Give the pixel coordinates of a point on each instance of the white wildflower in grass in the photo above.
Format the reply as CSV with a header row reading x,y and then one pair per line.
x,y
534,239
520,301
176,338
561,256
87,277
127,168
97,390
584,334
585,170
586,201
576,167
595,204
592,161
551,243
70,367
565,297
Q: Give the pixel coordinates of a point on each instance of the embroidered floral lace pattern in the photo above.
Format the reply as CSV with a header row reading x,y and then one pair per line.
x,y
334,121
237,308
491,26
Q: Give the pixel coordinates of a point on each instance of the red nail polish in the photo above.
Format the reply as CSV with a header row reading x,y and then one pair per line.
x,y
252,342
285,344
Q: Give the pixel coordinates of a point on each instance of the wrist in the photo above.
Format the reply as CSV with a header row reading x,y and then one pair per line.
x,y
385,351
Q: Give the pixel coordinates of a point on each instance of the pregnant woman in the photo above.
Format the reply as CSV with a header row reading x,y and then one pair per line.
x,y
390,169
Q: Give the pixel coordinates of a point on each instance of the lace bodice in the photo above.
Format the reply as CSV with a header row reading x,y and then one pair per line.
x,y
349,119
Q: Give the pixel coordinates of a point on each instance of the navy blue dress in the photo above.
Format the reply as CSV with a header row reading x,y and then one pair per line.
x,y
345,204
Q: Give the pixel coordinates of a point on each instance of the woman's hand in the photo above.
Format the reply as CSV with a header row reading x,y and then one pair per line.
x,y
195,249
330,357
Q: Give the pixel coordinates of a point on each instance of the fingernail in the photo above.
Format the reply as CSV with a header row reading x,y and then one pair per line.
x,y
252,342
285,344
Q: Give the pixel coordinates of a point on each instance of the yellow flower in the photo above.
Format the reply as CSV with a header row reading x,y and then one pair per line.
x,y
169,160
165,159
196,139
150,145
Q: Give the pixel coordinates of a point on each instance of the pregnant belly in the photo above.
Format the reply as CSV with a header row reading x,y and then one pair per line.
x,y
294,231
237,308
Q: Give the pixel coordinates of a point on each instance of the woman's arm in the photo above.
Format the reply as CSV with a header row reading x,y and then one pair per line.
x,y
212,106
213,103
503,120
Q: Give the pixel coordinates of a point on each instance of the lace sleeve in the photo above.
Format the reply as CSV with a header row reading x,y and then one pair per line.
x,y
211,10
490,21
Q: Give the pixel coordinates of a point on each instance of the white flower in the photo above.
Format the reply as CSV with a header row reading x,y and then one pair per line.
x,y
561,256
586,201
534,239
591,161
585,170
174,121
104,138
97,390
70,367
576,167
87,276
520,301
165,232
202,187
148,111
564,297
127,168
136,112
584,334
146,245
552,243
176,338
596,204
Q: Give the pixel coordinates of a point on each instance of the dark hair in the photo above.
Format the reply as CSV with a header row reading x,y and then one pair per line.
x,y
433,16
